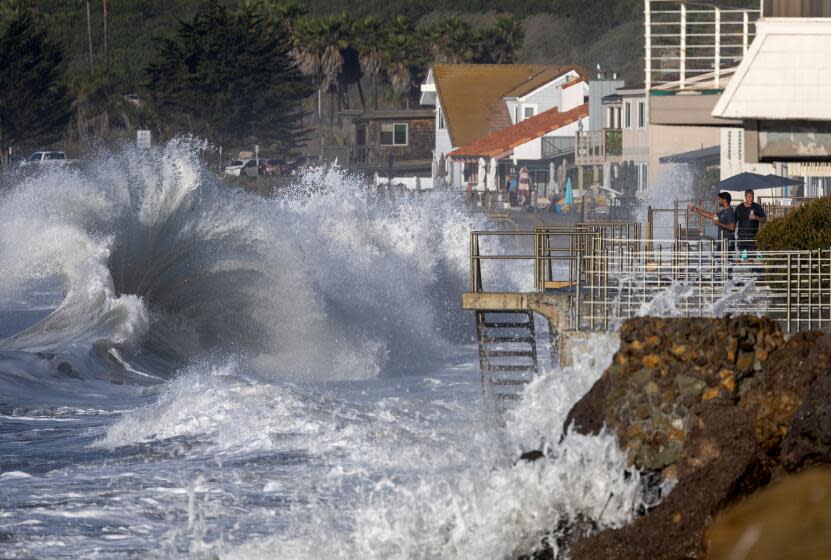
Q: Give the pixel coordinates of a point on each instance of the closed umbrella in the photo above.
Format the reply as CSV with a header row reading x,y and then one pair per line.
x,y
434,172
523,184
492,174
552,179
481,177
569,197
449,170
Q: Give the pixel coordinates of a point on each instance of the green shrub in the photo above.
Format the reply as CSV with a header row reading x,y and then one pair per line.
x,y
806,228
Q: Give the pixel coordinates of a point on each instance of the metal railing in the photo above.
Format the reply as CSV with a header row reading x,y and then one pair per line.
x,y
704,279
610,273
692,44
596,147
553,146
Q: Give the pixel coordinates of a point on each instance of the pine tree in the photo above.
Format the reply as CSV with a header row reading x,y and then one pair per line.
x,y
229,78
34,105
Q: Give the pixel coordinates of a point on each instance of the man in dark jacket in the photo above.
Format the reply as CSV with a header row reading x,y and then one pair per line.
x,y
749,215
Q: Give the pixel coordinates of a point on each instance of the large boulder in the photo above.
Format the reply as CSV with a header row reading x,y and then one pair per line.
x,y
789,520
713,409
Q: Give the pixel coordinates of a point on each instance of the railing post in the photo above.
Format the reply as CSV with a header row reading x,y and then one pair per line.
x,y
682,51
578,288
745,32
647,26
788,297
717,73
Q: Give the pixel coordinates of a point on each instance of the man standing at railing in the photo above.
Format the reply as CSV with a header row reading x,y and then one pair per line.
x,y
749,215
725,218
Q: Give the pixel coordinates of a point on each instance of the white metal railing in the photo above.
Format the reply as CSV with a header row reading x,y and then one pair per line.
x,y
693,45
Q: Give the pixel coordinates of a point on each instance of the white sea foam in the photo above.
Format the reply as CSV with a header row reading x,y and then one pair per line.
x,y
472,499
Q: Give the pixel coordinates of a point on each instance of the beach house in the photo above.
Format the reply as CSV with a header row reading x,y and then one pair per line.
x,y
472,102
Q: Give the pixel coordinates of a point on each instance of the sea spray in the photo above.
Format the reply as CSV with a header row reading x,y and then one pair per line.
x,y
286,326
473,499
155,254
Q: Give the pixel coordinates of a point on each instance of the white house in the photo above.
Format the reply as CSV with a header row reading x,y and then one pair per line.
x,y
474,100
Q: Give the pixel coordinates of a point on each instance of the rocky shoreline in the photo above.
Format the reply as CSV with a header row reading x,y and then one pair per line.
x,y
712,411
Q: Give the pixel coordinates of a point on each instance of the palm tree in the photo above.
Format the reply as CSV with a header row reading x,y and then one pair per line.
x,y
403,56
451,40
307,52
370,39
500,43
337,34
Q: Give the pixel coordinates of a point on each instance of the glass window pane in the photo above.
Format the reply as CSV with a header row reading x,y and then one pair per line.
x,y
400,134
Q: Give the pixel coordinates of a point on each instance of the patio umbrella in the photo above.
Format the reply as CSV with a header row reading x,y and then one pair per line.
x,y
434,169
492,174
569,197
523,183
747,180
779,181
552,178
482,174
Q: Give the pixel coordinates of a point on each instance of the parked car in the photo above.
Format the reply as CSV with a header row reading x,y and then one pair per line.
x,y
273,166
242,168
47,158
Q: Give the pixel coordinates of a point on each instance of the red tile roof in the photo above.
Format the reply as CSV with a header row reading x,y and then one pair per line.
x,y
501,142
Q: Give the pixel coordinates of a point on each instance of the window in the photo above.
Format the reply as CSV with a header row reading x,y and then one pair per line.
x,y
394,134
643,174
471,172
442,125
627,122
528,112
641,114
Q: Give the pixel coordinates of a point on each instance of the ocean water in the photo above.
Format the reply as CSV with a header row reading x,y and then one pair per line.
x,y
191,371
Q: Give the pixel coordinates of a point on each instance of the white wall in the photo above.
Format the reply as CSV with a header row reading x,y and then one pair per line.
x,y
574,96
570,129
545,98
443,144
529,150
732,155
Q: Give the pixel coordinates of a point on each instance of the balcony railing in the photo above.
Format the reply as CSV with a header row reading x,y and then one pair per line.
x,y
597,147
554,146
691,45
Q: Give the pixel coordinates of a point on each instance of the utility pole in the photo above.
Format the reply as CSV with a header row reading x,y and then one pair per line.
x,y
89,40
106,41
